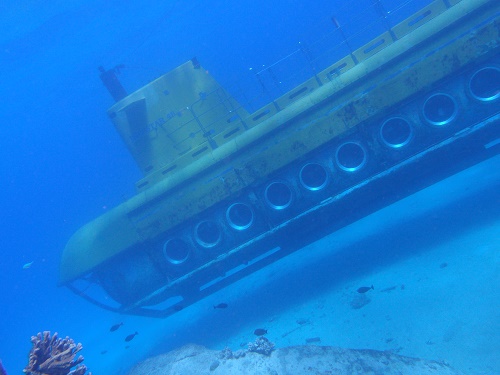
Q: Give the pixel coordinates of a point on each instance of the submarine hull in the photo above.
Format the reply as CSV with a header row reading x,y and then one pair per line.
x,y
227,192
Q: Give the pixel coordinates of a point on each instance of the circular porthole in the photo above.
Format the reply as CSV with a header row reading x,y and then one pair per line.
x,y
484,84
396,132
239,216
176,251
350,157
207,233
278,195
440,109
313,176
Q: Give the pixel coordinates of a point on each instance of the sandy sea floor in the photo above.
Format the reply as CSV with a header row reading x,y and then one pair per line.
x,y
419,308
434,261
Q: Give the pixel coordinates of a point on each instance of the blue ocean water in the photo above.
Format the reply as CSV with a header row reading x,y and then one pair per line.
x,y
63,164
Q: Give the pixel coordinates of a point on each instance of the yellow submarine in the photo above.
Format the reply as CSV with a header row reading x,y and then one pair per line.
x,y
226,192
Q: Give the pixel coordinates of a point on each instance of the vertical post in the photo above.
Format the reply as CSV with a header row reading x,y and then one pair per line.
x,y
307,55
264,89
344,38
112,83
382,13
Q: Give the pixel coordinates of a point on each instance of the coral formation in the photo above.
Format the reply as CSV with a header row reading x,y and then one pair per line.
x,y
305,359
227,353
262,346
2,369
54,356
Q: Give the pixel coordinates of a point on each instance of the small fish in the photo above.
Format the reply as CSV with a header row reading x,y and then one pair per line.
x,y
27,265
365,289
388,289
260,332
220,306
313,339
104,352
177,307
115,327
131,336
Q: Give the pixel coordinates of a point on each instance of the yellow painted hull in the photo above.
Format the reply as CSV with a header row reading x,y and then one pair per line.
x,y
202,152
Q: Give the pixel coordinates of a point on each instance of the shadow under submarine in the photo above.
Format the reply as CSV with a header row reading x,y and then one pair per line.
x,y
227,192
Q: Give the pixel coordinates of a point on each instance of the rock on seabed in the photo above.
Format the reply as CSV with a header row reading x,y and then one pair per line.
x,y
293,360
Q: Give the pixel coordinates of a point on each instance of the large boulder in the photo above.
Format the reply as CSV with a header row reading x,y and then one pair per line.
x,y
294,360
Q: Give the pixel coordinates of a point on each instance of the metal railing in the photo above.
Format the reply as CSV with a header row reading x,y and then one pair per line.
x,y
267,83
